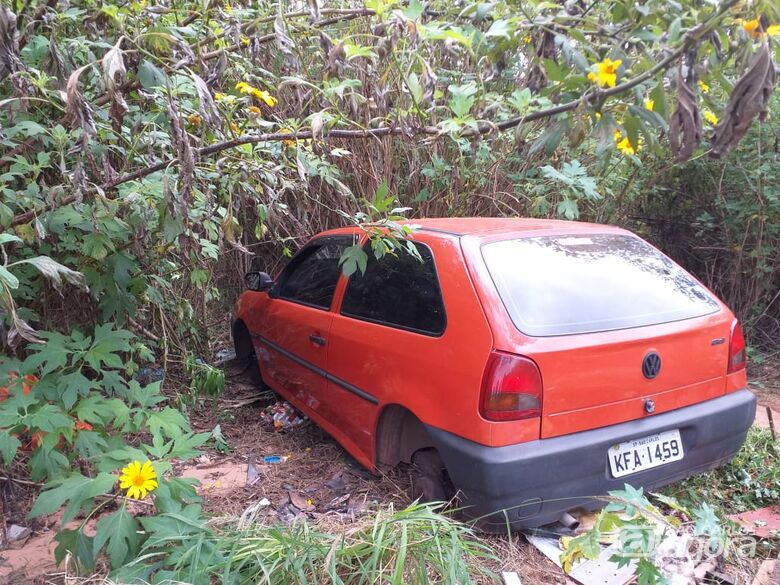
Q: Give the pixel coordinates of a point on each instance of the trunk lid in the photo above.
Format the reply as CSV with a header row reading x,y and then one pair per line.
x,y
599,313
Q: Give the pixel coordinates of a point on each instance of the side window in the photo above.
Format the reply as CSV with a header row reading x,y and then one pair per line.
x,y
398,291
311,276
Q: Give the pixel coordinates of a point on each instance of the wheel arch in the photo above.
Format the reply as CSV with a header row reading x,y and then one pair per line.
x,y
242,340
399,434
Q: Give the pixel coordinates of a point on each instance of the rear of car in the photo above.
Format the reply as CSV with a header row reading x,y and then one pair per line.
x,y
630,369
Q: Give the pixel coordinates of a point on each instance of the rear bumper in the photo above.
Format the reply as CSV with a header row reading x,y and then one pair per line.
x,y
533,483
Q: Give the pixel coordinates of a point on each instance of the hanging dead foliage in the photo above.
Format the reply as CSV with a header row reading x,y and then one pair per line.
x,y
9,47
181,143
749,99
536,79
207,108
115,73
685,123
78,113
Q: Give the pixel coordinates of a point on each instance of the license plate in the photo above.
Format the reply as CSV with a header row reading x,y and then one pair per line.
x,y
645,453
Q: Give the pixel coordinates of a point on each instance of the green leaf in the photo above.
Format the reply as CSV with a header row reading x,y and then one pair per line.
x,y
47,462
77,544
76,489
56,272
119,532
169,422
647,573
8,446
96,409
71,386
107,344
151,76
5,238
353,258
8,279
49,356
48,418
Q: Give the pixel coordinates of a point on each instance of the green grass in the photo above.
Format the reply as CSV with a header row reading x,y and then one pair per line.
x,y
751,480
418,544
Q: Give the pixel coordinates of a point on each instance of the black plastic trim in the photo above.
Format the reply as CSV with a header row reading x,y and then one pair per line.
x,y
317,370
530,484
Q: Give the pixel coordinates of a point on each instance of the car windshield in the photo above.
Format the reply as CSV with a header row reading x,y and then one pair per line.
x,y
568,284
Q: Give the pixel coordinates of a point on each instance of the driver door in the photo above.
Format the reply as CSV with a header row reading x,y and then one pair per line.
x,y
292,339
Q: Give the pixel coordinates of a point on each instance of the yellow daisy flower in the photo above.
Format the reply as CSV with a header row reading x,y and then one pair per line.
x,y
195,119
234,127
649,104
751,26
138,479
606,72
710,117
704,87
219,96
623,144
773,30
260,94
287,130
255,110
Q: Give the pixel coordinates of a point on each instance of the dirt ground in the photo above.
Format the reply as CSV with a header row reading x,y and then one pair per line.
x,y
316,479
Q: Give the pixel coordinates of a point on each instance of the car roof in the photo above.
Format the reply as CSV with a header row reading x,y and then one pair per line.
x,y
491,226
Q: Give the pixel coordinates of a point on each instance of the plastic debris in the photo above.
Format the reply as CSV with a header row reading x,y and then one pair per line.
x,y
15,532
301,502
273,459
148,375
225,355
764,522
283,416
252,476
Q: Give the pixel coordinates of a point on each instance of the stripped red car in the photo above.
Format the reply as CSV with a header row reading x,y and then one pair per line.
x,y
531,364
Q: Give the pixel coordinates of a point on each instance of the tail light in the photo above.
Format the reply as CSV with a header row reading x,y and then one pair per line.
x,y
511,388
737,350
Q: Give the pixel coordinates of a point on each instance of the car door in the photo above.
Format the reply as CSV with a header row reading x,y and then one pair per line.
x,y
384,341
291,340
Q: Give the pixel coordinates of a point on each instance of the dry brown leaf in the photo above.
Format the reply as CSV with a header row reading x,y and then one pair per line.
x,y
115,73
749,99
685,123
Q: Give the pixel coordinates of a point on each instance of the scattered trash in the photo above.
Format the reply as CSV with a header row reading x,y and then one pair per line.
x,y
252,476
149,375
224,355
283,416
288,512
301,502
337,483
764,522
273,459
511,578
251,514
601,571
339,504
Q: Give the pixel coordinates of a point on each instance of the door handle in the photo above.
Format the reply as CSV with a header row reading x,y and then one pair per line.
x,y
317,339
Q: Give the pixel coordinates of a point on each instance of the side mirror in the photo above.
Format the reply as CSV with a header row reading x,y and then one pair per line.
x,y
258,281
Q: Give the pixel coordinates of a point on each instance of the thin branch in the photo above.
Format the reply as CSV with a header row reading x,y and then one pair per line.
x,y
691,37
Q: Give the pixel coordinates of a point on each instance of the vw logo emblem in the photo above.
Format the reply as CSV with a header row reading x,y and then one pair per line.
x,y
651,365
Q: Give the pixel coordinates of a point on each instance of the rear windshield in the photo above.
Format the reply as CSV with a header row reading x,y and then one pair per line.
x,y
562,285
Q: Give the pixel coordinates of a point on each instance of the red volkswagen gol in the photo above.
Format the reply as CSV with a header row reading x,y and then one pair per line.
x,y
529,364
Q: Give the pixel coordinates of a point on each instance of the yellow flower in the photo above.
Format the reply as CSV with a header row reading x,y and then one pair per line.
x,y
234,127
598,115
649,104
219,96
228,7
704,87
751,26
623,144
244,40
606,72
138,479
260,94
527,39
195,119
255,110
773,30
287,130
710,117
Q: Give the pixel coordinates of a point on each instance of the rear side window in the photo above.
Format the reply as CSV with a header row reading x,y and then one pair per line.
x,y
311,276
562,285
398,291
